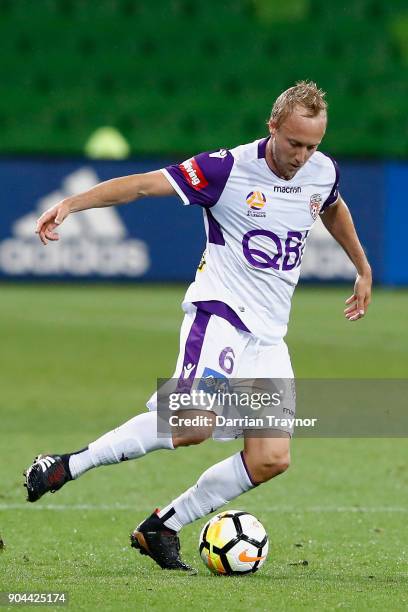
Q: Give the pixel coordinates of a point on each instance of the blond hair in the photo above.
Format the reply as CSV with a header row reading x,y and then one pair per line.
x,y
305,94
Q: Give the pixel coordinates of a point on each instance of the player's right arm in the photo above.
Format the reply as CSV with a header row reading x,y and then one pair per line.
x,y
109,193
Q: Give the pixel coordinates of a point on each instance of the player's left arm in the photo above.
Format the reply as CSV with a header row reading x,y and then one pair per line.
x,y
338,221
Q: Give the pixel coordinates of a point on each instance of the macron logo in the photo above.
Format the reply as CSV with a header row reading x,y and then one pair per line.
x,y
188,369
219,154
193,174
284,189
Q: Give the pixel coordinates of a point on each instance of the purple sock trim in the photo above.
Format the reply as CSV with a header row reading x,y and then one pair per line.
x,y
254,484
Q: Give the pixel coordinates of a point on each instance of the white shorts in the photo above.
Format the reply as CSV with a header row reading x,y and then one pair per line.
x,y
210,345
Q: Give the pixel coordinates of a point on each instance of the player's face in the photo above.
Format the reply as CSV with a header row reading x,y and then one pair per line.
x,y
294,141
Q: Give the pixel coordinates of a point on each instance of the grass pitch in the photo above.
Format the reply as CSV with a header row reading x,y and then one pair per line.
x,y
77,361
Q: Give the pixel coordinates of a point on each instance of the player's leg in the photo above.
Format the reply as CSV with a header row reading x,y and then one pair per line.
x,y
218,485
267,457
133,439
263,458
157,535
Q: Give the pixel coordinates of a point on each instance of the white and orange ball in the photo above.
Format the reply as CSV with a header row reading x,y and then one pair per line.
x,y
233,542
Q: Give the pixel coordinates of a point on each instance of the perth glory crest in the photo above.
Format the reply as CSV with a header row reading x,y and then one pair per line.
x,y
315,205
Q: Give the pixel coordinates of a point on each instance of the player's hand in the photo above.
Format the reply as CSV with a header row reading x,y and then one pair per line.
x,y
49,220
357,304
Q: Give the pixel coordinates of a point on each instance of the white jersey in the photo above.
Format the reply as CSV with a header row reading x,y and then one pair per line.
x,y
257,225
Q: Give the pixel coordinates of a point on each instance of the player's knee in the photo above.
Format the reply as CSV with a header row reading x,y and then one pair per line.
x,y
269,466
189,428
190,439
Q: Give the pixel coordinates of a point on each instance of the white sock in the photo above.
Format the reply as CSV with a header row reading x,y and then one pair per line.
x,y
218,485
131,440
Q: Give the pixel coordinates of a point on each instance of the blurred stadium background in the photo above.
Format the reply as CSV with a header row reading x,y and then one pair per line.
x,y
179,78
92,90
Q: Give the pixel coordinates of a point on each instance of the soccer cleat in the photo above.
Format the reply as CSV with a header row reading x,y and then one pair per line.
x,y
47,473
152,538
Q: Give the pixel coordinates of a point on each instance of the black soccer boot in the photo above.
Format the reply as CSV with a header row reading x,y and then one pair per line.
x,y
47,473
154,539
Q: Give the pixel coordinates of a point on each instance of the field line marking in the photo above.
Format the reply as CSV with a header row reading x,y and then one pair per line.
x,y
279,509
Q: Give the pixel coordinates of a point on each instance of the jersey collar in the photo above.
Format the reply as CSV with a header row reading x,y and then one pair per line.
x,y
262,147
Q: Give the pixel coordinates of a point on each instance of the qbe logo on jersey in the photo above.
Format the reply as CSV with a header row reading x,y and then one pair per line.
x,y
93,242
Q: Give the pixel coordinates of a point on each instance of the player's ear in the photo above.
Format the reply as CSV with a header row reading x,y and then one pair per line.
x,y
272,127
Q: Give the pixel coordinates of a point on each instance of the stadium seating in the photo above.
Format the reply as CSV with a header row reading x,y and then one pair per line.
x,y
176,77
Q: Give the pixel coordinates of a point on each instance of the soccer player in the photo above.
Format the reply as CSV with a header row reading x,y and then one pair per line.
x,y
259,202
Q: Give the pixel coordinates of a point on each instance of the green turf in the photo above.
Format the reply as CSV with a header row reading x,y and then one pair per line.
x,y
77,361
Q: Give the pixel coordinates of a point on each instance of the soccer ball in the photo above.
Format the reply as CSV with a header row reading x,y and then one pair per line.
x,y
233,542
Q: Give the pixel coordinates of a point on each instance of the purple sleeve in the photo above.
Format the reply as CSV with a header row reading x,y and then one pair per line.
x,y
334,193
201,179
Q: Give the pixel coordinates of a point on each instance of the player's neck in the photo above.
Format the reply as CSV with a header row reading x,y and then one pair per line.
x,y
271,161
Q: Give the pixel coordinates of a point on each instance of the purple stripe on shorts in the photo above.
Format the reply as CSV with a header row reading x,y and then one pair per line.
x,y
214,230
254,484
262,147
192,350
220,309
